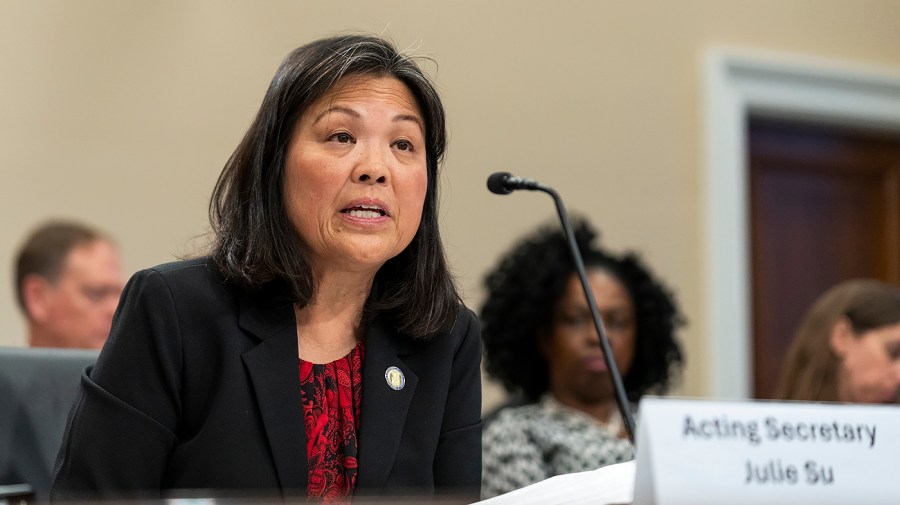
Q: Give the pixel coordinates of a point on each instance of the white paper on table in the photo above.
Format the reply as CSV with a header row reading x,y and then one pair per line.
x,y
608,485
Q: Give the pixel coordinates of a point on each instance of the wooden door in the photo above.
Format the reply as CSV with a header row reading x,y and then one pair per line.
x,y
824,207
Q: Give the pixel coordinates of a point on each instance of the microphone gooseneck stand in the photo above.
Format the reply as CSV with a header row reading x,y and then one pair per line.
x,y
504,183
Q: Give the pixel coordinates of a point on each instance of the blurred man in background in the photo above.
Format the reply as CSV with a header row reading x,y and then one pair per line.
x,y
68,282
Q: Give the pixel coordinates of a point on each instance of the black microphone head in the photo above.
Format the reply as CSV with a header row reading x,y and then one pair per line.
x,y
497,183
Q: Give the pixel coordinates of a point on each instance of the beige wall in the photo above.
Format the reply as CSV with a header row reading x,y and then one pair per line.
x,y
122,113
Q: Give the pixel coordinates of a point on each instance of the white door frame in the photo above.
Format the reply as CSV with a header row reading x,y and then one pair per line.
x,y
739,82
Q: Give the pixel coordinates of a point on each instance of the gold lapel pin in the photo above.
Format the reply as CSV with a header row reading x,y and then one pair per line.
x,y
394,378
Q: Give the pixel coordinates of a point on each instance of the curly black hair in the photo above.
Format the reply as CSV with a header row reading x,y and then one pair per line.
x,y
522,291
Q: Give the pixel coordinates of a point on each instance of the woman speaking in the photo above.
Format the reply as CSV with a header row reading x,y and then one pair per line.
x,y
321,350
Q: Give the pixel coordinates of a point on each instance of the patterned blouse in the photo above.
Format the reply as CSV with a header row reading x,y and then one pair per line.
x,y
331,395
528,444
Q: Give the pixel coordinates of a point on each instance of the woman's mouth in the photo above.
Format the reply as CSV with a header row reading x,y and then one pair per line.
x,y
364,211
595,364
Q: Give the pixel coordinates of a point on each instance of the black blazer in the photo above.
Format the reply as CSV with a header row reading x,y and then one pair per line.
x,y
198,387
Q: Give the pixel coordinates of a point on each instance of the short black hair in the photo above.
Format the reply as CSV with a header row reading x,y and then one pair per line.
x,y
522,292
45,249
254,242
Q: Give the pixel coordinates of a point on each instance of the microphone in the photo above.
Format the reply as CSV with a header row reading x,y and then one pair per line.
x,y
504,183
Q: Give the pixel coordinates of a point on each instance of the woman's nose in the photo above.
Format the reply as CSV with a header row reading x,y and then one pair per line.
x,y
365,177
371,168
593,338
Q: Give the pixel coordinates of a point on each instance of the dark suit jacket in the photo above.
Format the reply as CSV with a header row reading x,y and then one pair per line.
x,y
198,387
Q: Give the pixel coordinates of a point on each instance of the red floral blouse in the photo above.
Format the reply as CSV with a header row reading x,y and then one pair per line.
x,y
331,395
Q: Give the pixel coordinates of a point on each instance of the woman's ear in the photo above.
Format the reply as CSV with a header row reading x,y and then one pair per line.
x,y
841,336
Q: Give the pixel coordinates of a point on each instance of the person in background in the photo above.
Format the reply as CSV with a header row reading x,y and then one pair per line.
x,y
540,342
68,282
847,347
321,350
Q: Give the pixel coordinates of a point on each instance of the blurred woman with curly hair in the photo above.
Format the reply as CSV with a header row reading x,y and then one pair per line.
x,y
540,342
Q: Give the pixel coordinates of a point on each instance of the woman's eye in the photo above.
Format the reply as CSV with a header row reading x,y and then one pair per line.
x,y
342,137
575,320
894,352
618,323
404,145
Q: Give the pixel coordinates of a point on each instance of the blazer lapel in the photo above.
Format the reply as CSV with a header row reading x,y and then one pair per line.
x,y
273,368
384,409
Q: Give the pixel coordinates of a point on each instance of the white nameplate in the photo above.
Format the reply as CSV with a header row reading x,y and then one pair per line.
x,y
713,452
